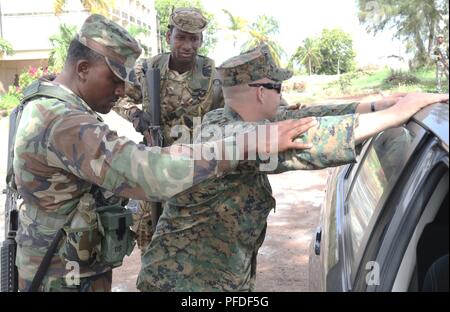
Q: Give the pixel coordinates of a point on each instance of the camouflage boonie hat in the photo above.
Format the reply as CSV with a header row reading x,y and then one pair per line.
x,y
251,66
440,36
190,20
114,43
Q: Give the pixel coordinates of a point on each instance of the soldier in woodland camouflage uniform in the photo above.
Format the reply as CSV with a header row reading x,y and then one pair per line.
x,y
208,237
440,57
63,148
187,91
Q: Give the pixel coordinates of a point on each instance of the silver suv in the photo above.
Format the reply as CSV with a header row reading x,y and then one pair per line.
x,y
384,222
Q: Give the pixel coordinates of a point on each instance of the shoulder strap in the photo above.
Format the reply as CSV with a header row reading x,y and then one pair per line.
x,y
217,100
37,88
40,88
160,60
46,261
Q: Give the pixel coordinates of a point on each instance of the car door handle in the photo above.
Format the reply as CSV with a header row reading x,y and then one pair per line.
x,y
318,238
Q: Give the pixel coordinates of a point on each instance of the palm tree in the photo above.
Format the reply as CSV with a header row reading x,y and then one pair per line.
x,y
93,6
308,54
60,43
261,32
237,25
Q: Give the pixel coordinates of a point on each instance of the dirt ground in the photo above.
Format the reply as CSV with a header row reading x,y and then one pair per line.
x,y
283,258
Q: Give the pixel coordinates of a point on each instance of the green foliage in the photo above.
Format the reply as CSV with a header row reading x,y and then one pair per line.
x,y
5,47
336,50
9,100
398,77
368,82
261,32
332,53
12,98
60,44
308,55
237,25
344,84
136,32
417,22
164,9
371,80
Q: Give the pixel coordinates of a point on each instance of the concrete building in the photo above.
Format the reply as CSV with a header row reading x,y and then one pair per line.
x,y
28,25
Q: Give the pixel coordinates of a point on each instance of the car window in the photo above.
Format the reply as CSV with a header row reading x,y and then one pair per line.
x,y
353,168
379,168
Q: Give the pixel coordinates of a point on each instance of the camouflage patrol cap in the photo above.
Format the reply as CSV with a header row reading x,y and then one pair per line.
x,y
190,20
251,66
114,43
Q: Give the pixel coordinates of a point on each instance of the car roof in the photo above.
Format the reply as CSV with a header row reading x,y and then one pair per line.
x,y
435,118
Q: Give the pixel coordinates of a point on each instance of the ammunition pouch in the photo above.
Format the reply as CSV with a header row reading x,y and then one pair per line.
x,y
104,242
117,237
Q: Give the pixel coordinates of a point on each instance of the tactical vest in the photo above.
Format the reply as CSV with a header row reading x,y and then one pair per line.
x,y
160,61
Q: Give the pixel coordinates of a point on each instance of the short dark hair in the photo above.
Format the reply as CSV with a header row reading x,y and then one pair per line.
x,y
78,51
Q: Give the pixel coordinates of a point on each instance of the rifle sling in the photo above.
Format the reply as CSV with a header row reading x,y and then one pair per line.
x,y
43,267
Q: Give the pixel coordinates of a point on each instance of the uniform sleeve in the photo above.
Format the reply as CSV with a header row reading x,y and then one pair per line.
x,y
333,145
123,108
86,147
317,110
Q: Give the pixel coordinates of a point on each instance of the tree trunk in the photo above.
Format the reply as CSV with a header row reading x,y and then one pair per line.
x,y
338,68
310,67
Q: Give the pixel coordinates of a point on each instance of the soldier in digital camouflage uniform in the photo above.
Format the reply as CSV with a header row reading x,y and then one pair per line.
x,y
440,57
63,148
208,237
187,91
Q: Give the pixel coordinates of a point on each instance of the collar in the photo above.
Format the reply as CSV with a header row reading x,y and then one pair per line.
x,y
80,100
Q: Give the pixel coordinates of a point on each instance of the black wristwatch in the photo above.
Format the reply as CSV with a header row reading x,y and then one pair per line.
x,y
372,106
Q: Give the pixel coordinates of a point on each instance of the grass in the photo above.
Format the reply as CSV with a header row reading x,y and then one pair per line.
x,y
369,82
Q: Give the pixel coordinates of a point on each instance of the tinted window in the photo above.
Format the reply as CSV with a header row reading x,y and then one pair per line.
x,y
379,169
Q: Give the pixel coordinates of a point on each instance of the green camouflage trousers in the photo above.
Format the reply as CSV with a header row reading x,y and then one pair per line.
x,y
97,283
441,71
142,225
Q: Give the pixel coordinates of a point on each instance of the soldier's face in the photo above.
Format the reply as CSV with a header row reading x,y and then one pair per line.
x,y
270,99
440,40
184,46
273,103
101,88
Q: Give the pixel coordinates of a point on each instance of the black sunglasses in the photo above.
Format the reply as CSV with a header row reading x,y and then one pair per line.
x,y
271,86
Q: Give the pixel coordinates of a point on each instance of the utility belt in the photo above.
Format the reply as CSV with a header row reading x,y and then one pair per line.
x,y
92,236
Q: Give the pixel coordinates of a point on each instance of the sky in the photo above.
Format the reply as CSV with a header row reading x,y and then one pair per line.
x,y
299,19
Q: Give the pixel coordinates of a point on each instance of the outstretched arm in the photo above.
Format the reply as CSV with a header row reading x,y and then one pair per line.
x,y
397,114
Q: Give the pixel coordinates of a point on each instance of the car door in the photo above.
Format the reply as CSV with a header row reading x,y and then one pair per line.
x,y
370,186
418,195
